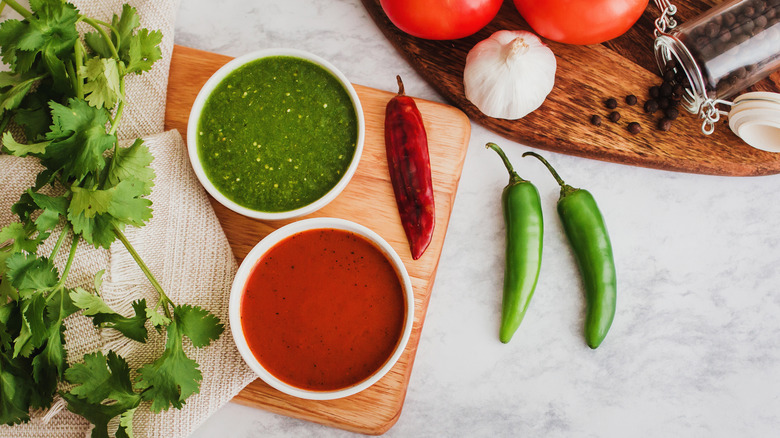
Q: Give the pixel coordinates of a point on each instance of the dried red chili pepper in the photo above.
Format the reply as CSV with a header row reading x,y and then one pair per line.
x,y
410,169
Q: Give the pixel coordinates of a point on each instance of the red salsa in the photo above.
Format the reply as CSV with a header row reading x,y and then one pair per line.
x,y
323,309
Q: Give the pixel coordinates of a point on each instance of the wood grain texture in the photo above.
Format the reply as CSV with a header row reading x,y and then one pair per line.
x,y
586,76
368,200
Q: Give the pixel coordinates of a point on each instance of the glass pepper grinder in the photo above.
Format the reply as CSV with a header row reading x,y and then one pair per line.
x,y
719,54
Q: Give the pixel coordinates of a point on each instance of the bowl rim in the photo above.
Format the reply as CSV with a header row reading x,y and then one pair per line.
x,y
245,269
206,91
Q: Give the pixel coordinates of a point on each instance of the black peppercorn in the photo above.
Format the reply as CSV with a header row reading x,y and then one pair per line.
x,y
671,113
651,106
631,99
664,124
595,120
634,128
666,89
614,116
611,103
655,92
669,75
663,102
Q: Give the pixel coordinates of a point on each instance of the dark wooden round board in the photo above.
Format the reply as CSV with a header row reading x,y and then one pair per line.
x,y
586,76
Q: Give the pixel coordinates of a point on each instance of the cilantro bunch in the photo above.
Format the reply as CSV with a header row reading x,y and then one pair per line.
x,y
67,95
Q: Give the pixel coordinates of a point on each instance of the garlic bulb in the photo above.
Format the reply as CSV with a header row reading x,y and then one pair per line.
x,y
509,74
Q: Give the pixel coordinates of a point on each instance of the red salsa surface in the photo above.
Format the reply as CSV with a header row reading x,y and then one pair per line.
x,y
323,309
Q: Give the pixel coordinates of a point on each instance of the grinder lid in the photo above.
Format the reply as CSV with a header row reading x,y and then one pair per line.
x,y
755,118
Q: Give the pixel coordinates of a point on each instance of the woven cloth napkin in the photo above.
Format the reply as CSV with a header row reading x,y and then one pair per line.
x,y
183,245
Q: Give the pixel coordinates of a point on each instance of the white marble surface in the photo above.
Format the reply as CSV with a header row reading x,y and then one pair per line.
x,y
695,346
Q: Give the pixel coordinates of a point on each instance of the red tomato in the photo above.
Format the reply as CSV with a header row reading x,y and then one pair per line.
x,y
581,21
441,19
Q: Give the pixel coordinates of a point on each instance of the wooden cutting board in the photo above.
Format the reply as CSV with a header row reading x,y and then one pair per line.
x,y
368,200
586,76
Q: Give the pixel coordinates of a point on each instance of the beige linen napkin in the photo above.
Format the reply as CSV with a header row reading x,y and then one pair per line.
x,y
183,245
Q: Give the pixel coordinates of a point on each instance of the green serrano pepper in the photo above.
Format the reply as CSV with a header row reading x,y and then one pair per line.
x,y
522,208
587,234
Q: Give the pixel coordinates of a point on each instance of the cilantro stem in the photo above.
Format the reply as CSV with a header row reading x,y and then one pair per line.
x,y
63,233
163,298
71,256
18,8
94,23
118,116
78,55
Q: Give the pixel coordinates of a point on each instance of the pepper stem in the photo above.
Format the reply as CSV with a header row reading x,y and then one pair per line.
x,y
565,188
513,176
400,85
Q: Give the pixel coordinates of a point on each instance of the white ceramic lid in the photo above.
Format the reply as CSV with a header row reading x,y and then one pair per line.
x,y
755,118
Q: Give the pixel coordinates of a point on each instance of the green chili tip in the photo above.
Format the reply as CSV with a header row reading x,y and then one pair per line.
x,y
513,176
565,188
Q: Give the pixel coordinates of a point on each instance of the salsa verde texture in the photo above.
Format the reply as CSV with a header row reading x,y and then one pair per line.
x,y
277,134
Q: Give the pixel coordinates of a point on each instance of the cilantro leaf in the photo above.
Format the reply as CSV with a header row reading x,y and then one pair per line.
x,y
198,324
99,377
102,86
128,204
12,98
144,51
53,207
11,31
103,391
124,24
173,377
103,316
6,290
21,149
157,319
94,213
49,364
125,429
16,387
78,139
99,280
21,237
33,329
91,304
51,32
90,202
28,272
97,231
58,204
133,327
133,162
33,114
46,222
24,207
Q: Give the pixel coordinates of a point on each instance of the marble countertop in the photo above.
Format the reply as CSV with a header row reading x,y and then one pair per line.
x,y
695,346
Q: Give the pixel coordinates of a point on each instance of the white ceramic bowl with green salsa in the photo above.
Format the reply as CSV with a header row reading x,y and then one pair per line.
x,y
276,134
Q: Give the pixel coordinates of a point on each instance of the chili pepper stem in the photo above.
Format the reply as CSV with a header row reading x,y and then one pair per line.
x,y
400,85
513,176
565,188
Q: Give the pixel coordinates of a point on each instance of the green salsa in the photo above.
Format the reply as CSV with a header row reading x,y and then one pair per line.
x,y
277,134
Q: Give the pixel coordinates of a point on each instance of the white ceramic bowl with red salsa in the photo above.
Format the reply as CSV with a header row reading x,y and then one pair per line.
x,y
321,308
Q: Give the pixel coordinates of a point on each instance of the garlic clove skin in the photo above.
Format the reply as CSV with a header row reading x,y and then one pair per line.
x,y
509,74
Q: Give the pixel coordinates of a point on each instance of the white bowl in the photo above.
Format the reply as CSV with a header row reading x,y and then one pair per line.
x,y
208,88
237,292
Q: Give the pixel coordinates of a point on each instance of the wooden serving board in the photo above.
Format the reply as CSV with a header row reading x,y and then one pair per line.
x,y
586,76
368,200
